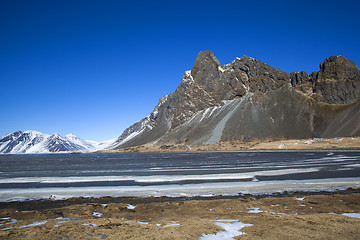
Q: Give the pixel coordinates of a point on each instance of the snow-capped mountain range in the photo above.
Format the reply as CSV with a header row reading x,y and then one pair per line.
x,y
37,142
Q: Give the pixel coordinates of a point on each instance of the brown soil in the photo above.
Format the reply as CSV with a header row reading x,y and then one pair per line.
x,y
282,217
345,143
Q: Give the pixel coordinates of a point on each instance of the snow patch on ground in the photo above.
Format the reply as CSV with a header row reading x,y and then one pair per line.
x,y
255,210
142,223
353,215
131,207
23,226
90,224
97,214
231,229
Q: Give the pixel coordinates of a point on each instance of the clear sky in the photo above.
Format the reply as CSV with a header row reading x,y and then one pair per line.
x,y
92,68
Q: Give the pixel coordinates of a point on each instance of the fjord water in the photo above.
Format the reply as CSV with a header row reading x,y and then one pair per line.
x,y
175,174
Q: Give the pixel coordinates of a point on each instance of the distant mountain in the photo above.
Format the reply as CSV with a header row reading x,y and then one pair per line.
x,y
249,99
36,142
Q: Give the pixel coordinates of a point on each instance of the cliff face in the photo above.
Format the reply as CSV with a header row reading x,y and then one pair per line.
x,y
250,99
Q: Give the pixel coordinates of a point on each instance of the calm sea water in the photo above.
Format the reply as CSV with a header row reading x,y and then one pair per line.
x,y
175,174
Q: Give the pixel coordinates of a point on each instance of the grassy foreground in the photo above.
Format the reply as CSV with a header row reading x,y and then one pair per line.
x,y
290,216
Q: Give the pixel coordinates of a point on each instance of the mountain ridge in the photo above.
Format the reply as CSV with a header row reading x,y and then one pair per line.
x,y
36,142
266,103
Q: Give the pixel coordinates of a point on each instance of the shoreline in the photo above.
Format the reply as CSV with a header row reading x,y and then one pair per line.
x,y
256,145
288,215
312,144
153,199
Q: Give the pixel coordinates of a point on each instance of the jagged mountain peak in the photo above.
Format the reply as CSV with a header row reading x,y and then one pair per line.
x,y
248,98
339,60
338,67
71,135
31,132
56,135
205,67
206,57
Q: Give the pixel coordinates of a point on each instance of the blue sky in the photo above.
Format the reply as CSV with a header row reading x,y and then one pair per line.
x,y
93,68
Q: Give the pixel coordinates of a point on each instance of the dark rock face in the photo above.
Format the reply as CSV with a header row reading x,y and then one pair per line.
x,y
302,82
338,67
249,99
338,81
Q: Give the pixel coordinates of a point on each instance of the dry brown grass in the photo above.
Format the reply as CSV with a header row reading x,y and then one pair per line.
x,y
280,218
344,143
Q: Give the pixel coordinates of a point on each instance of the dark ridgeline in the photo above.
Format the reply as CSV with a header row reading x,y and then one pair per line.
x,y
265,103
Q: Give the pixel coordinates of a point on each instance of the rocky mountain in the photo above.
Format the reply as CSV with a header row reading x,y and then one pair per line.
x,y
249,99
36,142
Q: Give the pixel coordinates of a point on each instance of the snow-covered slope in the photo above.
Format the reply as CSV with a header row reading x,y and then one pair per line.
x,y
37,142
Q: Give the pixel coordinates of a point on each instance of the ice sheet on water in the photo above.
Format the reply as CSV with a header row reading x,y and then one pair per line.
x,y
158,178
176,190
